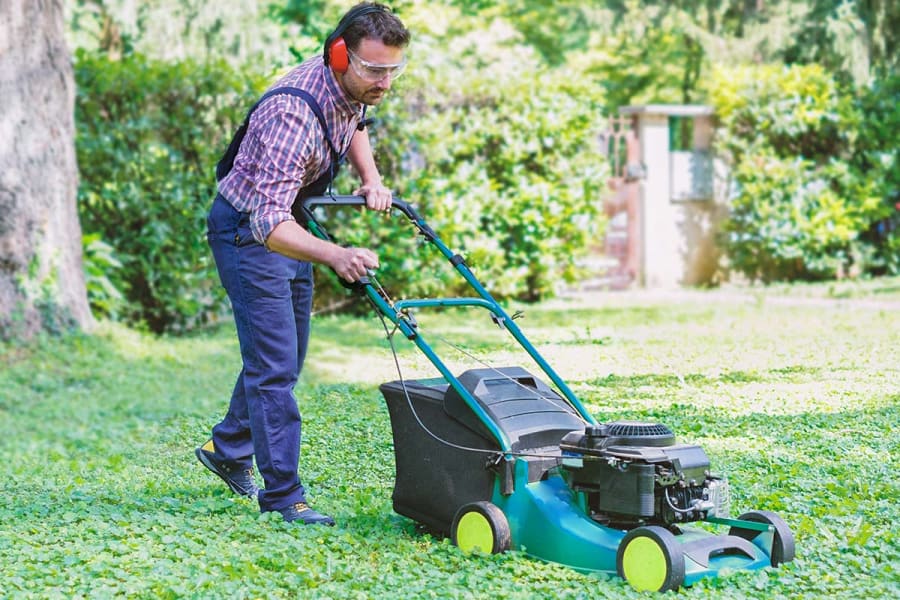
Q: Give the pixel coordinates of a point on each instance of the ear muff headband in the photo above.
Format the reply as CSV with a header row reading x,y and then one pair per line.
x,y
336,53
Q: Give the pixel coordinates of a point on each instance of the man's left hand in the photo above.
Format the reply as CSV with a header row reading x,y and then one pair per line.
x,y
377,197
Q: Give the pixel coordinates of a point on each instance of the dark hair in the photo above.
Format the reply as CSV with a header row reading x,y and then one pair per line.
x,y
381,25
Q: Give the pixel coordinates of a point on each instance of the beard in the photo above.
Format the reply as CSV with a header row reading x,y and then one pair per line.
x,y
363,92
374,96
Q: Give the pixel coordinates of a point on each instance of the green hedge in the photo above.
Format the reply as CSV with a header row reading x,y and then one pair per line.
x,y
878,155
148,136
512,182
801,206
509,175
499,153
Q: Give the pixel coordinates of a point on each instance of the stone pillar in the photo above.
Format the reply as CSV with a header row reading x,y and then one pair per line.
x,y
678,213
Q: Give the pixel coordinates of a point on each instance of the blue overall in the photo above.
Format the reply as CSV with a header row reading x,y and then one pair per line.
x,y
271,297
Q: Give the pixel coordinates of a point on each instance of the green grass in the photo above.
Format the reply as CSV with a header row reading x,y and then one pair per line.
x,y
796,401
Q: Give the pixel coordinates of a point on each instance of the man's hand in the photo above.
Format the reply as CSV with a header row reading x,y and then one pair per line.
x,y
377,196
352,264
293,241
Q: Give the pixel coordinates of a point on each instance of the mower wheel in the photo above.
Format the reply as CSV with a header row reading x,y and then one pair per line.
x,y
481,526
651,559
782,541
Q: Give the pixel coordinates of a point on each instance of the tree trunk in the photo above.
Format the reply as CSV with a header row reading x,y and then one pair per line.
x,y
41,276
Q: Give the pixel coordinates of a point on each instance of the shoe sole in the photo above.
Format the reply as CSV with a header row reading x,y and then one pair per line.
x,y
201,456
327,522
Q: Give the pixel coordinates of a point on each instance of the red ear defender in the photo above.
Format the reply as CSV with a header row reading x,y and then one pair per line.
x,y
337,55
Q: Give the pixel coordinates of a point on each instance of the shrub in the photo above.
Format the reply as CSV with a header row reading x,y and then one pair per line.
x,y
100,264
148,136
795,111
790,219
799,207
878,156
516,180
500,156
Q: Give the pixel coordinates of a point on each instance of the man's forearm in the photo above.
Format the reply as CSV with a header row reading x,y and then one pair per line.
x,y
290,239
360,155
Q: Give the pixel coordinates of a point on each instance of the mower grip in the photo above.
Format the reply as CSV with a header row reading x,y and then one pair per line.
x,y
313,201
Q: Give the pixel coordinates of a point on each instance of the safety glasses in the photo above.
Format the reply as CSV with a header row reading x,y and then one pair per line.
x,y
373,72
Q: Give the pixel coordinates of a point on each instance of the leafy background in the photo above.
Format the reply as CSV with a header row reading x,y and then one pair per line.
x,y
493,133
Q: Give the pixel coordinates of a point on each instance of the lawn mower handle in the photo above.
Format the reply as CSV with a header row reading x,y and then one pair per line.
x,y
308,205
312,202
397,311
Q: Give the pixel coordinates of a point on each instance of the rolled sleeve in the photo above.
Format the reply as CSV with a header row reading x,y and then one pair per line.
x,y
286,153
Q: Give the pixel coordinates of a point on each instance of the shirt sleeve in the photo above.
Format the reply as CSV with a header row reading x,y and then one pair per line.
x,y
286,148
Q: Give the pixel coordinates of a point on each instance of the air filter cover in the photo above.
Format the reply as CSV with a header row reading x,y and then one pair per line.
x,y
639,433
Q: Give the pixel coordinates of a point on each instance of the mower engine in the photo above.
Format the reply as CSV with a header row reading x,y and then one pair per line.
x,y
634,474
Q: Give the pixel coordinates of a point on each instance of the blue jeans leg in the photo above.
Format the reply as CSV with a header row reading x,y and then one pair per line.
x,y
271,297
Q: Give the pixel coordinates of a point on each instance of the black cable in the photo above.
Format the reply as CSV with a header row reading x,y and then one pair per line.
x,y
390,337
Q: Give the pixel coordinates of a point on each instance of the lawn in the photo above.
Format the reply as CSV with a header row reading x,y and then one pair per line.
x,y
793,392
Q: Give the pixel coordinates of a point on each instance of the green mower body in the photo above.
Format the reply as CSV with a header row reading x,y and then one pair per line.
x,y
549,521
549,500
499,459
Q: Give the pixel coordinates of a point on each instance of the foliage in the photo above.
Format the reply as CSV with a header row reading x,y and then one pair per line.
x,y
662,51
797,111
853,38
177,30
798,208
553,29
643,55
878,155
149,134
514,180
100,263
502,162
104,497
791,221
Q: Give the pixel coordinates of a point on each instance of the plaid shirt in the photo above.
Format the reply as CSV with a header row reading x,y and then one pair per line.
x,y
284,148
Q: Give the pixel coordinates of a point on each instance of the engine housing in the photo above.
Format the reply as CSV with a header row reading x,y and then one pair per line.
x,y
634,473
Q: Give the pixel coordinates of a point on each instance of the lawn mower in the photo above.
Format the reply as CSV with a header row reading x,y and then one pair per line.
x,y
499,459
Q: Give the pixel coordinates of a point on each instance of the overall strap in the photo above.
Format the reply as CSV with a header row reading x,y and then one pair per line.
x,y
227,161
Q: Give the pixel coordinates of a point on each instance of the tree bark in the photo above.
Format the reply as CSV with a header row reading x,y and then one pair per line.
x,y
42,282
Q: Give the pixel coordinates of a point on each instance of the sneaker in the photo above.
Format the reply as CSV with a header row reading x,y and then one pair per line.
x,y
240,481
302,512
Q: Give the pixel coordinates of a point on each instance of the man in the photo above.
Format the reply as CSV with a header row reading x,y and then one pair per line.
x,y
291,150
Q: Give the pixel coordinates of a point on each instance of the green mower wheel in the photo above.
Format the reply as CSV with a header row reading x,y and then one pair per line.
x,y
782,541
481,526
651,559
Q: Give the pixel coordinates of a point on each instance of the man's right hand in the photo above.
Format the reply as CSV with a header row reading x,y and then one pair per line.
x,y
352,264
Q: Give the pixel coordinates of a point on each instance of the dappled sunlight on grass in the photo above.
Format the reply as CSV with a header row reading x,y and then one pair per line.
x,y
737,393
134,345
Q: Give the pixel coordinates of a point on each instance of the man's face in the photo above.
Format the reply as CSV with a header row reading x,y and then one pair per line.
x,y
372,68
